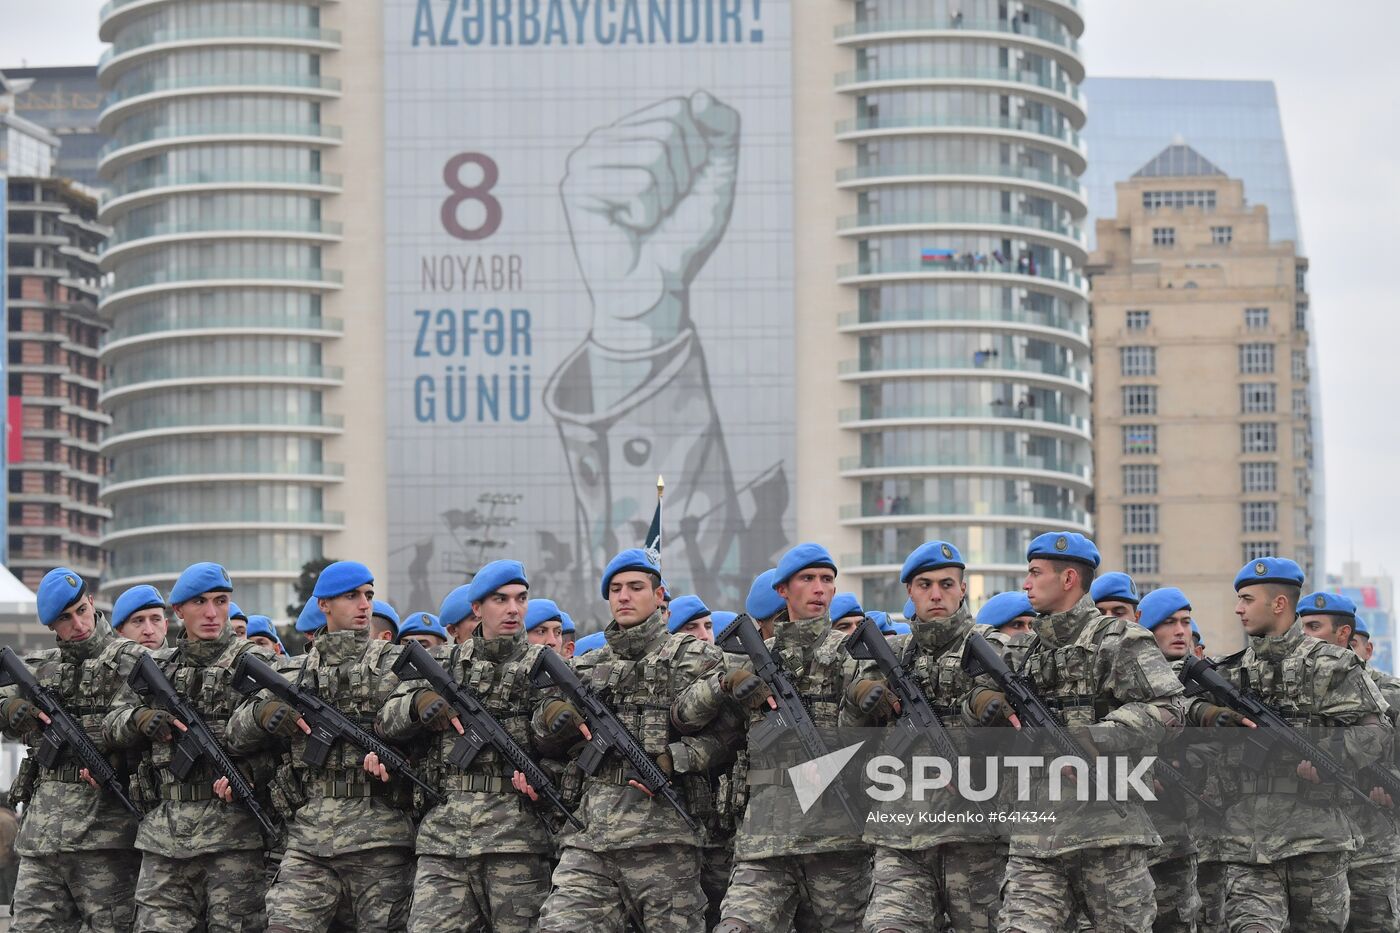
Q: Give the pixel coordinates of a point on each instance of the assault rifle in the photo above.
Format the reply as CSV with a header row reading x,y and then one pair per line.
x,y
916,718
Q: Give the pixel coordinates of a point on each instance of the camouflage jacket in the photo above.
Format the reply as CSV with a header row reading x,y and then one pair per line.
x,y
62,812
1107,680
1273,815
483,813
1382,843
338,808
188,820
640,673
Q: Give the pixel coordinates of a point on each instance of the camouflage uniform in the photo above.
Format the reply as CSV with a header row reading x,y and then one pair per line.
x,y
1108,680
1287,842
483,856
78,867
812,882
635,855
350,836
203,862
1372,874
951,868
1174,862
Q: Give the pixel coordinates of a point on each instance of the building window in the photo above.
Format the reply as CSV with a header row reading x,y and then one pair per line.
x,y
1300,316
1142,559
1256,318
1259,437
1259,477
1259,516
1140,479
1155,200
1300,443
1163,236
1257,397
1139,438
1139,519
1300,278
1139,320
1254,550
1256,358
1138,361
1222,236
1300,366
1139,400
1301,486
1300,402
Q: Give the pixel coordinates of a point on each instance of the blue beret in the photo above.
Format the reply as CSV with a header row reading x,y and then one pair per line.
x,y
1063,545
588,642
200,578
845,604
686,609
235,613
1269,570
387,613
1116,586
721,621
1326,604
882,621
59,589
801,557
1361,628
340,578
1196,630
311,618
421,623
763,601
135,600
931,555
909,609
262,625
495,575
566,623
1160,604
1005,607
457,607
542,610
634,558
900,628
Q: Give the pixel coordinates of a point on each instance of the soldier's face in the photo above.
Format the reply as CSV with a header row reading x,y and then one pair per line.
x,y
267,643
147,627
1255,610
502,612
464,630
633,597
204,616
1018,625
349,612
809,592
1199,650
1048,587
77,622
1361,644
702,628
550,634
425,639
1119,609
1173,635
846,624
1329,629
567,649
937,594
240,627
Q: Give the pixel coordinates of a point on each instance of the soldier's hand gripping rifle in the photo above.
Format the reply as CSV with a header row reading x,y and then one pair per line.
x,y
789,715
980,658
916,718
481,728
608,734
326,721
196,741
1276,732
62,731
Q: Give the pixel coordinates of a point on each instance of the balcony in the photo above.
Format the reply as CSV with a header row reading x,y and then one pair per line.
x,y
1026,369
863,224
857,273
145,43
152,185
143,142
853,417
326,86
152,377
852,322
855,175
141,425
129,330
1042,87
1057,42
935,512
1066,139
136,238
154,524
134,285
224,471
910,464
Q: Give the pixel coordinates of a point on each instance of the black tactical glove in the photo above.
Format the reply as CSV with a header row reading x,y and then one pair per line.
x,y
561,718
277,718
871,697
432,710
991,708
746,687
19,715
154,723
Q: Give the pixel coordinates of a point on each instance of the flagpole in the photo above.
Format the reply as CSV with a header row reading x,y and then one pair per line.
x,y
660,494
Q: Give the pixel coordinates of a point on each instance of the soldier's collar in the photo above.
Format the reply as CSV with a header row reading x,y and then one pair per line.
x,y
198,653
90,647
1061,628
802,634
633,643
1278,647
337,647
935,634
500,648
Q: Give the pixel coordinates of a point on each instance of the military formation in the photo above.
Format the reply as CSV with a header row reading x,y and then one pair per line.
x,y
483,768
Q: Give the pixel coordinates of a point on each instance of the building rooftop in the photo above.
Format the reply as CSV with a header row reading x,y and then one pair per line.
x,y
1178,161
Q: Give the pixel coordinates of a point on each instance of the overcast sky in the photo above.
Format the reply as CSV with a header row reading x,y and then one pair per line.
x,y
1337,86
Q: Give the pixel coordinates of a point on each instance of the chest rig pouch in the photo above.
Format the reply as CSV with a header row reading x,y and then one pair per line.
x,y
941,679
357,687
504,689
1066,679
818,682
641,692
209,690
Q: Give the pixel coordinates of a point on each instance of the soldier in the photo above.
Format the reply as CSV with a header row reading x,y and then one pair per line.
x,y
456,614
544,625
139,614
635,850
262,632
78,868
1096,671
568,630
690,616
1277,876
349,835
952,869
310,621
424,628
1115,594
1166,613
1361,641
590,642
203,862
764,605
779,877
846,613
384,622
1198,642
1009,613
238,620
1375,868
483,856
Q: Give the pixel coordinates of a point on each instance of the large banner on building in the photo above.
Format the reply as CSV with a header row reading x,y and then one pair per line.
x,y
589,284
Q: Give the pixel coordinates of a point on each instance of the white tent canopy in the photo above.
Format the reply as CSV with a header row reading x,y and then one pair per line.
x,y
15,597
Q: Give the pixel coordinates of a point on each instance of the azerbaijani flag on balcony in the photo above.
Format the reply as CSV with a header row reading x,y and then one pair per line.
x,y
932,256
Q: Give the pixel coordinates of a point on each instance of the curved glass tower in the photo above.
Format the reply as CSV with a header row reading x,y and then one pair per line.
x,y
215,283
971,313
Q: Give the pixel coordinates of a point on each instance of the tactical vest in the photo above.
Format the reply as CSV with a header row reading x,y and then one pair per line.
x,y
819,684
358,687
1066,679
504,688
86,690
641,692
941,678
209,690
1287,685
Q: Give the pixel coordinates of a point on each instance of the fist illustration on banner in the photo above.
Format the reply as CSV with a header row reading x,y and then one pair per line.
x,y
647,200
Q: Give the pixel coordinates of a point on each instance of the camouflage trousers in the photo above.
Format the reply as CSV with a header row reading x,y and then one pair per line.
x,y
1210,884
1306,892
502,893
716,863
376,885
77,891
221,892
1374,907
658,887
827,892
1111,887
1178,903
915,889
